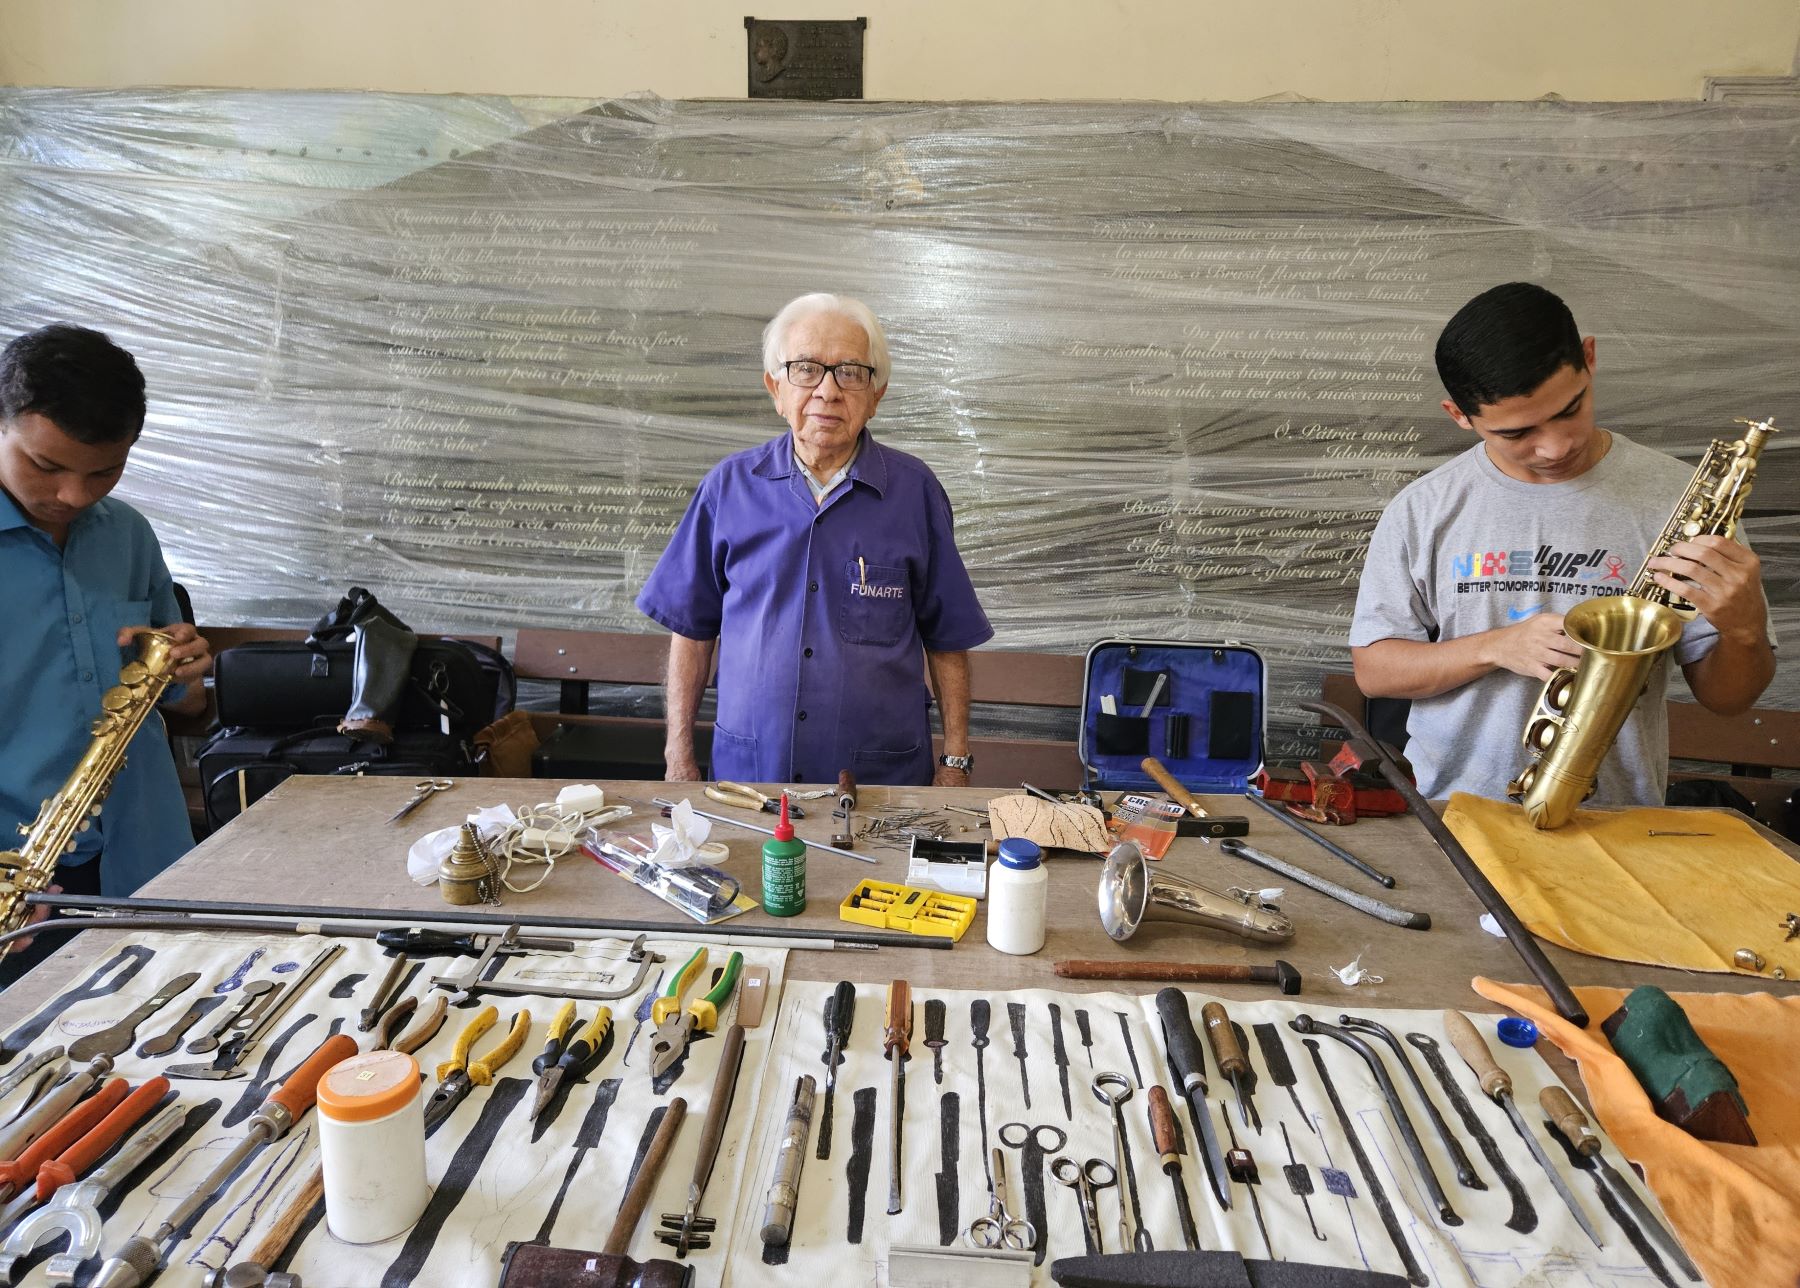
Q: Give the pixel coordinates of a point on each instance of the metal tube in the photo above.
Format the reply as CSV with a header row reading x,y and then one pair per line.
x,y
345,921
1561,995
766,831
1324,842
1361,902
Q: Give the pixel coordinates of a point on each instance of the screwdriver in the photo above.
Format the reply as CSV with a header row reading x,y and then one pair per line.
x,y
1162,1132
896,1034
1230,1055
577,1057
1566,1116
560,1024
137,1258
1496,1084
840,1013
1188,1067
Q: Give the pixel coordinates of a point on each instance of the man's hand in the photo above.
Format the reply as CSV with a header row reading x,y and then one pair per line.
x,y
680,766
1535,647
1720,577
192,655
948,777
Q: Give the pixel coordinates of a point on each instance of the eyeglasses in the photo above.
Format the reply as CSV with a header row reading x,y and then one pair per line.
x,y
851,377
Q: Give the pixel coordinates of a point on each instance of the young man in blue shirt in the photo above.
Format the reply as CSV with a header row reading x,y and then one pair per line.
x,y
83,574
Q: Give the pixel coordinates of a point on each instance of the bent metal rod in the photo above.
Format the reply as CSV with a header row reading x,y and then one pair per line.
x,y
112,913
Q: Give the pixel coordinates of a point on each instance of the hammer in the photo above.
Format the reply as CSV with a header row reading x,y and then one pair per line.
x,y
1282,974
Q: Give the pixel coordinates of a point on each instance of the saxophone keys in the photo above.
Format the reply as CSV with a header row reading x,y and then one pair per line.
x,y
133,674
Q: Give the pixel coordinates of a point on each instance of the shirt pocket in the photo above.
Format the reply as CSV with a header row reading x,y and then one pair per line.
x,y
877,605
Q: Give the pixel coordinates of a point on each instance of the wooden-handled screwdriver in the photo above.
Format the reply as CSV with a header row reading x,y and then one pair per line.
x,y
1230,1055
1162,1132
1566,1116
1496,1085
895,1038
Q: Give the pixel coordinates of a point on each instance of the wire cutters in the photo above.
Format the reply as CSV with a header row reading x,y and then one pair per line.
x,y
674,1028
423,791
459,1075
749,798
587,1049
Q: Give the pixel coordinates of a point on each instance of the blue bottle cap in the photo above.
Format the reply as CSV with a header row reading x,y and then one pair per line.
x,y
1516,1032
1017,852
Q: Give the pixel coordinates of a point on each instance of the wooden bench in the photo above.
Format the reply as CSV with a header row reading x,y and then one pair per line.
x,y
575,660
1747,749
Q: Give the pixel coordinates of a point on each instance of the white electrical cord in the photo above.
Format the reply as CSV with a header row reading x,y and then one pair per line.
x,y
540,835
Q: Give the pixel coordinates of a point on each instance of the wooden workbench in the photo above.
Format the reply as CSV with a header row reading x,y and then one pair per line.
x,y
326,841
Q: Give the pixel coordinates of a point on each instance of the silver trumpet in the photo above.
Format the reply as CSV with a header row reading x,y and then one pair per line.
x,y
1131,894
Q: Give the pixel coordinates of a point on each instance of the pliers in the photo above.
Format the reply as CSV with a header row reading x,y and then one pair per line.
x,y
460,1075
581,1053
749,798
673,1027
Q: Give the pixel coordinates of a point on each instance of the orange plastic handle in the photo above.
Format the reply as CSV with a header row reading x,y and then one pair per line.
x,y
74,1161
302,1085
69,1129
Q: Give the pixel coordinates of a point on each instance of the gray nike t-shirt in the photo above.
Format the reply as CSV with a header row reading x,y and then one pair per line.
x,y
1467,549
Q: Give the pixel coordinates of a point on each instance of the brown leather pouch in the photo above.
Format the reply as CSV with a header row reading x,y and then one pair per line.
x,y
533,1265
504,748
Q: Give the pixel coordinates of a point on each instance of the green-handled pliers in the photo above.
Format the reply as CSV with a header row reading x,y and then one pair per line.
x,y
673,1025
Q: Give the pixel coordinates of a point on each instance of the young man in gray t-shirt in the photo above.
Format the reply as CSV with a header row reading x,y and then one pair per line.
x,y
1472,567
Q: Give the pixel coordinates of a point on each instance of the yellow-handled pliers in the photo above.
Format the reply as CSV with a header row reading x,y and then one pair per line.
x,y
582,1052
460,1074
749,798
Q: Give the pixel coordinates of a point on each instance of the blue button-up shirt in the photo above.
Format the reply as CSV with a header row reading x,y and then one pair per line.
x,y
58,655
822,612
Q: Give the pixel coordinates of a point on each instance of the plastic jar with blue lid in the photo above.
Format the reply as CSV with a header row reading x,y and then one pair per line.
x,y
1018,896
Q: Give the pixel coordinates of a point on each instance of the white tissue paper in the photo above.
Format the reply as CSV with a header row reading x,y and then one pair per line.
x,y
433,848
1353,974
678,844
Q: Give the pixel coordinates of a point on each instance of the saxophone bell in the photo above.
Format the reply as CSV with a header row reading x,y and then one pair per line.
x,y
1131,894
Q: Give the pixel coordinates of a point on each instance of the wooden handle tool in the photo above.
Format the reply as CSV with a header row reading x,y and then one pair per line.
x,y
1468,1042
643,1185
1176,792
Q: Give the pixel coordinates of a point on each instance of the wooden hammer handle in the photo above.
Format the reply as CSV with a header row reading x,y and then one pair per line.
x,y
643,1185
1180,972
269,1249
1177,793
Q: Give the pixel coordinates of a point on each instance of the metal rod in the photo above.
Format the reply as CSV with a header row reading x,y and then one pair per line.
x,y
1561,995
766,831
345,921
1331,889
1324,842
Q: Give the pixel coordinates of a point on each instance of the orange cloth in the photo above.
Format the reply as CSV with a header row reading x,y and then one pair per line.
x,y
1735,1208
1604,885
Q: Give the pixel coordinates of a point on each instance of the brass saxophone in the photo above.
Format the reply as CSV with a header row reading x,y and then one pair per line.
x,y
1580,711
123,709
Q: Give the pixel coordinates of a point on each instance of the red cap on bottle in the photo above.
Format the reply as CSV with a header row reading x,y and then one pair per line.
x,y
784,830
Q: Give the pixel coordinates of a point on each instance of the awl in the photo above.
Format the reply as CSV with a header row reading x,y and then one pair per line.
x,y
1496,1084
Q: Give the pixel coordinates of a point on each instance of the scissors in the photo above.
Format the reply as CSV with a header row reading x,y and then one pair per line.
x,y
1035,1144
422,791
743,797
1086,1179
1000,1228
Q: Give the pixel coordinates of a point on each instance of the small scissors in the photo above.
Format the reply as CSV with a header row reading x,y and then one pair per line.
x,y
1086,1179
422,792
1000,1228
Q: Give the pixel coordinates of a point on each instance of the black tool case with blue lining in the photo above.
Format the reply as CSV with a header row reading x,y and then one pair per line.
x,y
1205,720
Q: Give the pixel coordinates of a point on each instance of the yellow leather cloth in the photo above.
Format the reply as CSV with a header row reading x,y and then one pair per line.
x,y
1735,1208
1603,885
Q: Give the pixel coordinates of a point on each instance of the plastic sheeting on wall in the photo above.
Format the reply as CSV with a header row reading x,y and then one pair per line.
x,y
1170,362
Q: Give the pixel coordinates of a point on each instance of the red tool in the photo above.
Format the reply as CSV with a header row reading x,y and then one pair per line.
x,y
103,1130
1339,793
68,1129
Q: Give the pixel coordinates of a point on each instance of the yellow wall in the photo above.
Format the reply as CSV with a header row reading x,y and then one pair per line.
x,y
916,49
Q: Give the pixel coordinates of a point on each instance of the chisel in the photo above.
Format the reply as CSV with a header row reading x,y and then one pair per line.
x,y
895,1038
1496,1084
1182,1045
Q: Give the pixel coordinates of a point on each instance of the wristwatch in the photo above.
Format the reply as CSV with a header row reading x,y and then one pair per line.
x,y
964,763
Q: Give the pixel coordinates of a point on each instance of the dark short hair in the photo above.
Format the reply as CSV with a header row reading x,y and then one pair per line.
x,y
1506,342
78,379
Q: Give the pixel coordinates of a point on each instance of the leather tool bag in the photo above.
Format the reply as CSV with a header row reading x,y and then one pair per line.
x,y
289,686
238,767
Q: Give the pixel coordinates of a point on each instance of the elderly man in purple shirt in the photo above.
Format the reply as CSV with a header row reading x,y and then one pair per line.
x,y
824,568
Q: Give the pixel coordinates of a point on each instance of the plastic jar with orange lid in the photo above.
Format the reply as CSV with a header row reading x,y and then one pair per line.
x,y
372,1140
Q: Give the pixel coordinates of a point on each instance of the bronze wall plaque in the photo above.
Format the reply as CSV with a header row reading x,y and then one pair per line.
x,y
807,60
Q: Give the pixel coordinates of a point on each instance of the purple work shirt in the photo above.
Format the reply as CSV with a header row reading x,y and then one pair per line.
x,y
822,612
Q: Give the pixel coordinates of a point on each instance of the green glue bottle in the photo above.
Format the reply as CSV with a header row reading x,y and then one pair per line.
x,y
784,870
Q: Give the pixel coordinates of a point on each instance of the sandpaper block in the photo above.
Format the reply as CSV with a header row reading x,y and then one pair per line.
x,y
534,1265
1687,1084
1209,1270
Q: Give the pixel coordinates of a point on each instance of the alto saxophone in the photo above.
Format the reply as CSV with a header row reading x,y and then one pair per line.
x,y
1581,710
123,709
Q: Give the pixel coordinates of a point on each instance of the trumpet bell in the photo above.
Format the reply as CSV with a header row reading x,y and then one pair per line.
x,y
1131,894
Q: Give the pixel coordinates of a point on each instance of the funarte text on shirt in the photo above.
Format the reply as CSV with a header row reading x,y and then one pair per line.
x,y
877,592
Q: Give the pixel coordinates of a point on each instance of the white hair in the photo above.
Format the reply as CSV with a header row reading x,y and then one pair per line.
x,y
815,305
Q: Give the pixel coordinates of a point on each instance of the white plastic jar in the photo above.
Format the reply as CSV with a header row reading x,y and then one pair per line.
x,y
372,1143
1018,892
